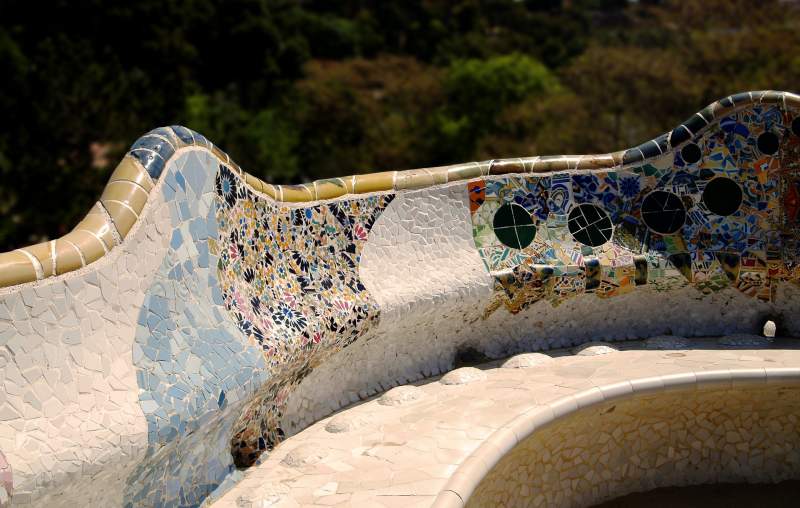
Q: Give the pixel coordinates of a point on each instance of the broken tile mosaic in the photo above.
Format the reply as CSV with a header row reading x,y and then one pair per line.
x,y
716,213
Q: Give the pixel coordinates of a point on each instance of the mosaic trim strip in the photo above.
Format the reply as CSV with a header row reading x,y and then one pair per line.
x,y
123,199
720,212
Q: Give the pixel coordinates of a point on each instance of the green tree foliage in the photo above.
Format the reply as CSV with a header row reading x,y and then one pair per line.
x,y
478,92
297,90
364,115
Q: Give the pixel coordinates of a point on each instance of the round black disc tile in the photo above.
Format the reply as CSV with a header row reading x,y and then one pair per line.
x,y
691,153
663,212
590,225
513,226
722,196
796,126
768,143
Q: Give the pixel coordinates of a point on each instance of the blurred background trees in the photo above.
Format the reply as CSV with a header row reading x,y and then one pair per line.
x,y
296,90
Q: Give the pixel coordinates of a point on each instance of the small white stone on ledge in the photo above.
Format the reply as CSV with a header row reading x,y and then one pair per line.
x,y
400,395
527,360
345,422
306,454
463,376
594,349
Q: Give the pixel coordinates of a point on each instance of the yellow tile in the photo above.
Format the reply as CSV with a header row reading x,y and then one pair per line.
x,y
126,192
129,169
772,97
15,268
374,182
67,257
90,246
43,252
439,174
254,182
350,184
605,161
332,188
220,154
506,166
261,186
552,164
266,188
413,179
792,100
528,162
122,215
95,222
270,191
310,189
295,193
466,171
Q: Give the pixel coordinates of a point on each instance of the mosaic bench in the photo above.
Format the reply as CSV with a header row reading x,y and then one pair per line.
x,y
198,315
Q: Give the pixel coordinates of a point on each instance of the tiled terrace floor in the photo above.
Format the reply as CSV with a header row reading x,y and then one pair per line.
x,y
403,454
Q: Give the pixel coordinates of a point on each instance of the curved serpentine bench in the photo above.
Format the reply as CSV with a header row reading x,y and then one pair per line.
x,y
197,315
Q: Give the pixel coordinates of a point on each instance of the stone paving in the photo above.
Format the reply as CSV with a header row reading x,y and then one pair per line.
x,y
402,447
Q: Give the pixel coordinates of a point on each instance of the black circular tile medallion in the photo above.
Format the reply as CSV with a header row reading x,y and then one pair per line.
x,y
768,143
513,226
796,126
590,225
722,196
691,153
663,212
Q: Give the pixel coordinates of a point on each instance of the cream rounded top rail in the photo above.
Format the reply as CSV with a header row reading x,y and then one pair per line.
x,y
124,197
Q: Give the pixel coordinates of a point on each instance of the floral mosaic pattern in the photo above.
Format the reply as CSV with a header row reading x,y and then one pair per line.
x,y
747,245
289,277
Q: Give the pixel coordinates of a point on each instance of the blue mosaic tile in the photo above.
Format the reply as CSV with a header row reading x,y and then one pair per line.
x,y
151,161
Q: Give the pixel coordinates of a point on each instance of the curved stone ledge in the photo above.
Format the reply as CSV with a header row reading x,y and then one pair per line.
x,y
437,453
486,479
